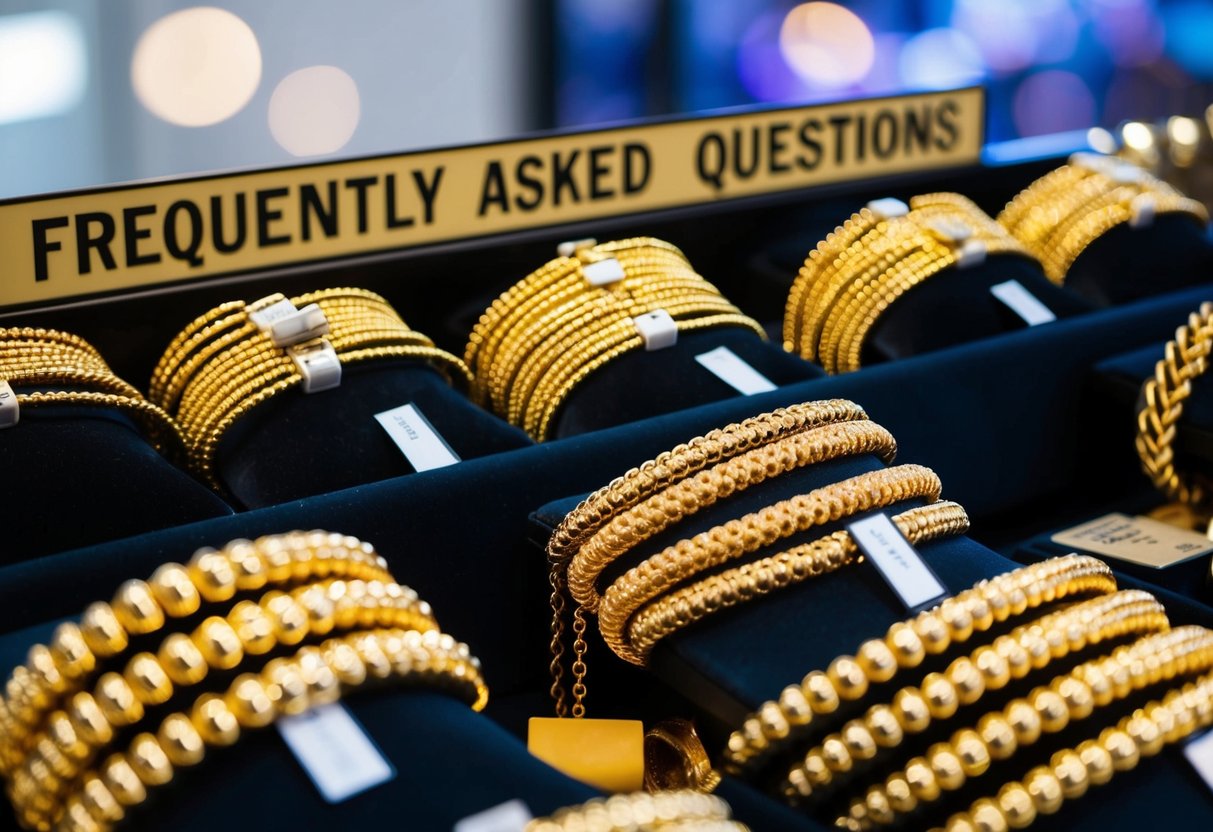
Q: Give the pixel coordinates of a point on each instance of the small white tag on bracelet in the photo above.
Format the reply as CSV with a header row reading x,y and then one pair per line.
x,y
511,816
570,247
319,365
898,562
1142,209
10,410
657,329
286,325
729,367
335,751
888,208
1022,302
603,272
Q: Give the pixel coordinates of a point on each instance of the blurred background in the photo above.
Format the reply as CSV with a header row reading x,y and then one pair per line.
x,y
98,91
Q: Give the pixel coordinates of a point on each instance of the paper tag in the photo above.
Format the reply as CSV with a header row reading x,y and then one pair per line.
x,y
1142,209
603,272
10,410
570,247
605,753
897,561
657,329
511,816
1022,302
727,366
287,325
888,208
335,752
416,438
1199,751
1139,540
319,365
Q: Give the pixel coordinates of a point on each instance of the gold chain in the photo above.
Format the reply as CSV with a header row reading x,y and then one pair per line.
x,y
1164,395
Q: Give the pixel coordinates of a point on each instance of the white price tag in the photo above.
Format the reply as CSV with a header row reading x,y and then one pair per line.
x,y
727,366
287,325
416,438
897,561
511,816
319,365
1199,752
335,752
657,329
603,272
888,208
1140,540
10,410
1022,302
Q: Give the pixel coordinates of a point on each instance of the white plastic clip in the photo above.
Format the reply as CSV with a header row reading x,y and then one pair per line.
x,y
888,208
10,410
657,329
1096,162
1142,209
603,272
959,234
287,325
570,247
319,365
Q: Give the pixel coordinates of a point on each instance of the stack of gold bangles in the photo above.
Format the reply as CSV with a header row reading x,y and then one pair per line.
x,y
851,278
549,332
47,368
84,738
1063,212
671,811
836,742
687,581
223,365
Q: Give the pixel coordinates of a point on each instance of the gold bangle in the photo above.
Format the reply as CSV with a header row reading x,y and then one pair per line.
x,y
1047,709
745,535
684,607
1071,772
906,645
664,811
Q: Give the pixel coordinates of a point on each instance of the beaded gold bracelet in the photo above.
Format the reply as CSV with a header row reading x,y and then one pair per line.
x,y
665,811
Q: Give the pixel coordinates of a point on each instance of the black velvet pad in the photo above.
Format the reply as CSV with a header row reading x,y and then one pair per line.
x,y
1127,264
640,384
75,476
297,445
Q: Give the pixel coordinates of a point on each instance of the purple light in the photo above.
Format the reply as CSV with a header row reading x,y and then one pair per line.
x,y
1052,101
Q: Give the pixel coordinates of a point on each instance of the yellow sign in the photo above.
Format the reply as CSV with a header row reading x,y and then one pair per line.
x,y
139,235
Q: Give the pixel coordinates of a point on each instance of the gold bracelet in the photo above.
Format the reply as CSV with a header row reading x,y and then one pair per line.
x,y
745,535
1163,397
664,811
684,607
1071,772
905,645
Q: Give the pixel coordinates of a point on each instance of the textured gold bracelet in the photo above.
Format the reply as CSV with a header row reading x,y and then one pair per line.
x,y
665,811
906,644
1070,773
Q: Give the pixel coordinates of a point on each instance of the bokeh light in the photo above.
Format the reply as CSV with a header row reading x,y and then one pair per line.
x,y
827,45
43,65
314,111
940,58
1052,101
197,66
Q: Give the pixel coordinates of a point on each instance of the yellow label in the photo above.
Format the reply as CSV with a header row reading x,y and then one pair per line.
x,y
605,753
76,244
1138,540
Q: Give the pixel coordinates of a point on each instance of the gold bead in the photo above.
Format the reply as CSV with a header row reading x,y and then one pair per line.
x,y
946,765
901,796
858,740
253,626
319,608
923,782
181,659
1121,748
967,681
1024,721
772,722
972,752
906,645
1016,805
877,661
884,727
1097,760
250,569
148,680
988,816
122,782
1146,735
174,591
848,678
834,752
291,694
345,661
99,801
940,695
102,632
994,669
1045,789
149,761
63,734
70,652
911,710
214,721
290,618
959,822
250,699
820,691
1054,715
87,719
77,818
933,633
218,643
878,808
182,743
117,700
136,608
998,735
795,706
816,769
42,670
1076,694
1071,773
213,575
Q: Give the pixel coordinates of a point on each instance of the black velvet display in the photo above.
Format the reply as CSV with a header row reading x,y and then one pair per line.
x,y
297,445
640,384
75,476
1128,264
